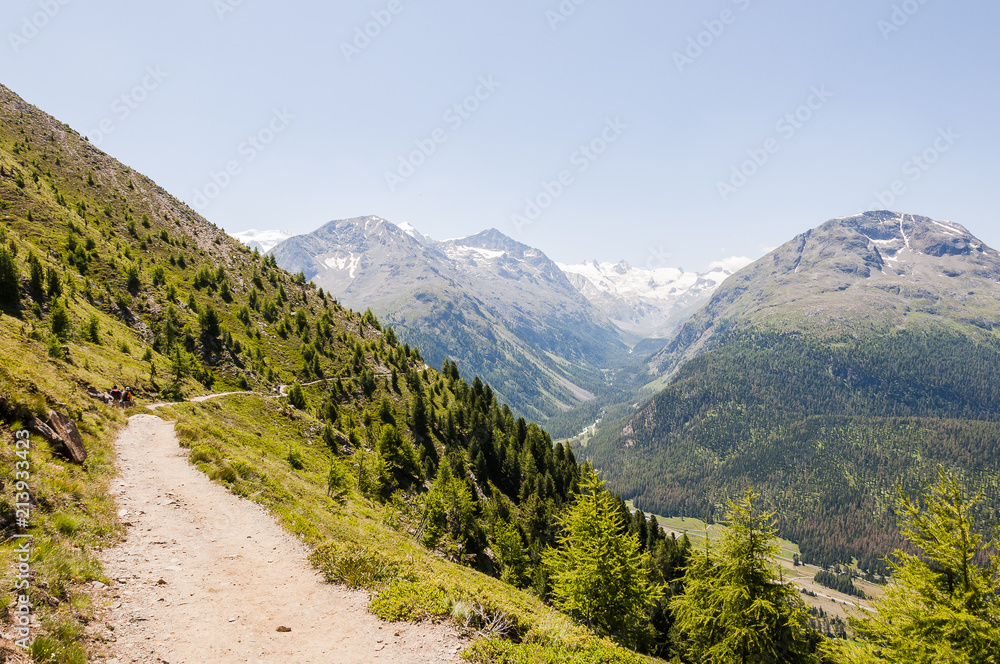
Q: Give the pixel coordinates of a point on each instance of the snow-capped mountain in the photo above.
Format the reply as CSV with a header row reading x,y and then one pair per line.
x,y
262,241
500,309
640,302
648,302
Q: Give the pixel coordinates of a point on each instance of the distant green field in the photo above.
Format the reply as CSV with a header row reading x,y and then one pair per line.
x,y
698,531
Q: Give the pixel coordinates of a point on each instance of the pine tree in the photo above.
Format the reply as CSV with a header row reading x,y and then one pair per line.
x,y
944,604
598,574
418,412
208,319
735,609
510,551
53,283
449,515
180,366
399,453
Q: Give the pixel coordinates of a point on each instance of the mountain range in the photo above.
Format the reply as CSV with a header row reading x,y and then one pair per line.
x,y
547,337
262,241
498,308
853,359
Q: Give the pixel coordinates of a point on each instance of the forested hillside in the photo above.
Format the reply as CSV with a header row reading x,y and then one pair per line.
x,y
826,388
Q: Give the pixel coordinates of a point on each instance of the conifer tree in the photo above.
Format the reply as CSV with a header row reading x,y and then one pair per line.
x,y
59,320
92,330
735,608
208,319
943,606
36,277
296,398
10,291
53,283
597,572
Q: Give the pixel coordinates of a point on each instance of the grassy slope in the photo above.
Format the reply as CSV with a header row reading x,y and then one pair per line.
x,y
55,185
249,454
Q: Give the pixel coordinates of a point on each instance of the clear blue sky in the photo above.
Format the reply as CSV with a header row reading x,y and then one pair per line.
x,y
651,196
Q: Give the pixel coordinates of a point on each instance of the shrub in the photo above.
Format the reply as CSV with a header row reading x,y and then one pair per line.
x,y
353,566
338,481
54,348
91,330
496,651
294,457
409,601
132,280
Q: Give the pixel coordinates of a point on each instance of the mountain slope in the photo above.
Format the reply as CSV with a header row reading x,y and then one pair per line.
x,y
879,270
851,360
105,278
493,305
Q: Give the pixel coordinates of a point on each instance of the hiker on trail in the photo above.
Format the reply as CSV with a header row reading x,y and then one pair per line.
x,y
116,395
127,398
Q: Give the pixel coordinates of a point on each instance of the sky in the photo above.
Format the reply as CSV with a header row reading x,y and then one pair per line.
x,y
663,133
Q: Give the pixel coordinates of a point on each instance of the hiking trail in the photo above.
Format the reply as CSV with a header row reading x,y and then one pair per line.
x,y
205,576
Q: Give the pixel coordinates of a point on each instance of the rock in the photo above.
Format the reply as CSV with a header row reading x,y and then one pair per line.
x,y
284,629
70,443
70,449
103,397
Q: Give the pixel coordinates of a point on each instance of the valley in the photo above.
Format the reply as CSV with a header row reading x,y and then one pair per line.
x,y
824,383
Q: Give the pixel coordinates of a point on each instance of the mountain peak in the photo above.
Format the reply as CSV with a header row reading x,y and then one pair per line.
x,y
493,240
879,269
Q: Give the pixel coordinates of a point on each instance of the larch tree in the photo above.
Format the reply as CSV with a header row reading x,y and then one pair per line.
x,y
943,606
735,608
597,570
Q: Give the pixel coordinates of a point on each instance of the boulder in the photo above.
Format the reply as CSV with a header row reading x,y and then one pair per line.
x,y
103,397
63,436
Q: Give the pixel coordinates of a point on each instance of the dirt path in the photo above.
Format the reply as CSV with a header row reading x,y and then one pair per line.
x,y
204,576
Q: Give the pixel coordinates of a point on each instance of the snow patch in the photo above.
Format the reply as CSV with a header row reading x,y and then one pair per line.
x,y
458,251
950,230
342,263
